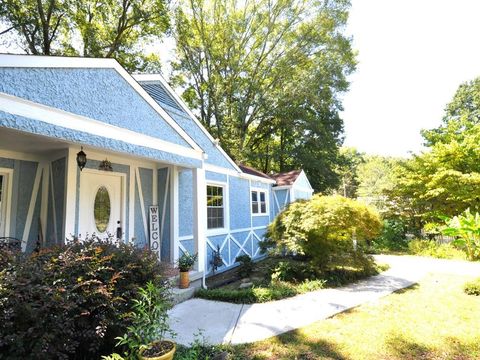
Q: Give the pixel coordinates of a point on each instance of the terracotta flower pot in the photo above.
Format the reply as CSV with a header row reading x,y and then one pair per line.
x,y
184,280
166,356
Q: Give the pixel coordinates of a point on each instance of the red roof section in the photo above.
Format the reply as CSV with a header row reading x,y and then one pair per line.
x,y
252,171
286,178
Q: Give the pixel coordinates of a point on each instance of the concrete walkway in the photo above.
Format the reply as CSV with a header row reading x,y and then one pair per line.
x,y
222,322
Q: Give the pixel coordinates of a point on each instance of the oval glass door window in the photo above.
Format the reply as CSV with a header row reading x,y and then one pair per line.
x,y
101,210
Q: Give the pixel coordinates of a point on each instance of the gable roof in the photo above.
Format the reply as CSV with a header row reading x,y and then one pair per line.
x,y
286,178
251,171
158,88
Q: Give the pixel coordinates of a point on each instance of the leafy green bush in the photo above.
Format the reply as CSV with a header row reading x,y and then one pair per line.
x,y
392,237
276,290
72,301
472,287
431,248
466,227
293,271
246,265
322,228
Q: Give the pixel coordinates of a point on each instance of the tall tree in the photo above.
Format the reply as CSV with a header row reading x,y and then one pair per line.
x,y
265,78
95,28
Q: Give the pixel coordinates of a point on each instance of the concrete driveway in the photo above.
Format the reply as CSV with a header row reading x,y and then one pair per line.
x,y
221,322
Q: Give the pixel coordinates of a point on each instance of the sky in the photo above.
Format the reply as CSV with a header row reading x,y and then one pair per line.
x,y
412,56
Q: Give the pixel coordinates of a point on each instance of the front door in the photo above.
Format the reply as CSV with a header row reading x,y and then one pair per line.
x,y
101,195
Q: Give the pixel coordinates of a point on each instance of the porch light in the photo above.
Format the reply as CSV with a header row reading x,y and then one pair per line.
x,y
81,159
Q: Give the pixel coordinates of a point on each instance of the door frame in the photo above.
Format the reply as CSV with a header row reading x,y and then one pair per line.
x,y
123,196
5,210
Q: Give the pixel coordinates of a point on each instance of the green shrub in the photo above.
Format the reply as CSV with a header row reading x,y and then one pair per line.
x,y
392,237
276,290
72,301
466,228
293,271
431,248
472,287
322,228
246,265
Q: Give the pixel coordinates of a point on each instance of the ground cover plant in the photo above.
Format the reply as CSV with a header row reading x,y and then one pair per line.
x,y
72,301
416,323
431,248
472,287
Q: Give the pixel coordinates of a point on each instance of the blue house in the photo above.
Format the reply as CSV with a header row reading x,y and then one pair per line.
x,y
85,147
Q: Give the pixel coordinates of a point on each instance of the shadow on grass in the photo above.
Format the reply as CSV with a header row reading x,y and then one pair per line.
x,y
452,348
292,345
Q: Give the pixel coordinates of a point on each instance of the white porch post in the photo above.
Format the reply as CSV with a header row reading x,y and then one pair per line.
x,y
174,203
70,195
200,216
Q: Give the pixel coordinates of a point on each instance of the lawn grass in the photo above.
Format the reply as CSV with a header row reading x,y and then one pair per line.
x,y
434,320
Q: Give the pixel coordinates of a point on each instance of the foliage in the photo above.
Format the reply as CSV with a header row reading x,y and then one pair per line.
x,y
72,301
265,78
186,261
322,228
472,287
246,265
392,238
347,169
105,28
466,227
445,180
293,271
199,350
431,248
276,290
149,319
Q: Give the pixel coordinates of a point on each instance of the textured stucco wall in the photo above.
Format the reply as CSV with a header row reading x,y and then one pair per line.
x,y
37,127
302,182
214,176
100,94
56,200
260,220
239,203
185,197
283,198
299,194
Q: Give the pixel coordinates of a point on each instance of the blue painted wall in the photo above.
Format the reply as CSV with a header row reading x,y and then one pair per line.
x,y
299,195
100,94
240,212
185,196
302,182
56,203
163,184
213,176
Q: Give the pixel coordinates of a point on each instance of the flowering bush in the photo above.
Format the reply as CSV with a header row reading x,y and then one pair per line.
x,y
72,301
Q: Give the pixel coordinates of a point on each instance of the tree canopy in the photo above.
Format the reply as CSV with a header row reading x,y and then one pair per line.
x,y
93,28
266,77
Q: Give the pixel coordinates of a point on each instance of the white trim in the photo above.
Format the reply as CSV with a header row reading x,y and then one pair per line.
x,y
15,155
142,204
18,106
174,208
302,173
267,201
17,61
179,100
226,219
292,195
283,187
31,206
239,174
200,216
7,191
164,209
131,206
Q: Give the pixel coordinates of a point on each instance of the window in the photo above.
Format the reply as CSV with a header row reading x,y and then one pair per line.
x,y
259,202
215,206
101,209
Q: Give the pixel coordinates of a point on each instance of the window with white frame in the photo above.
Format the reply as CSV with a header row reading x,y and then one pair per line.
x,y
259,202
215,207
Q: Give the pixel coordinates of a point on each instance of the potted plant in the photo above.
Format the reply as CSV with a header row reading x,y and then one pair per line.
x,y
146,337
185,263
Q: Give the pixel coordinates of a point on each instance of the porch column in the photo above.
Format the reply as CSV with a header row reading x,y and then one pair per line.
x,y
200,216
71,187
174,225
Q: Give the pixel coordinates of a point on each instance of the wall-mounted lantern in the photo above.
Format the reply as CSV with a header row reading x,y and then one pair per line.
x,y
81,159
